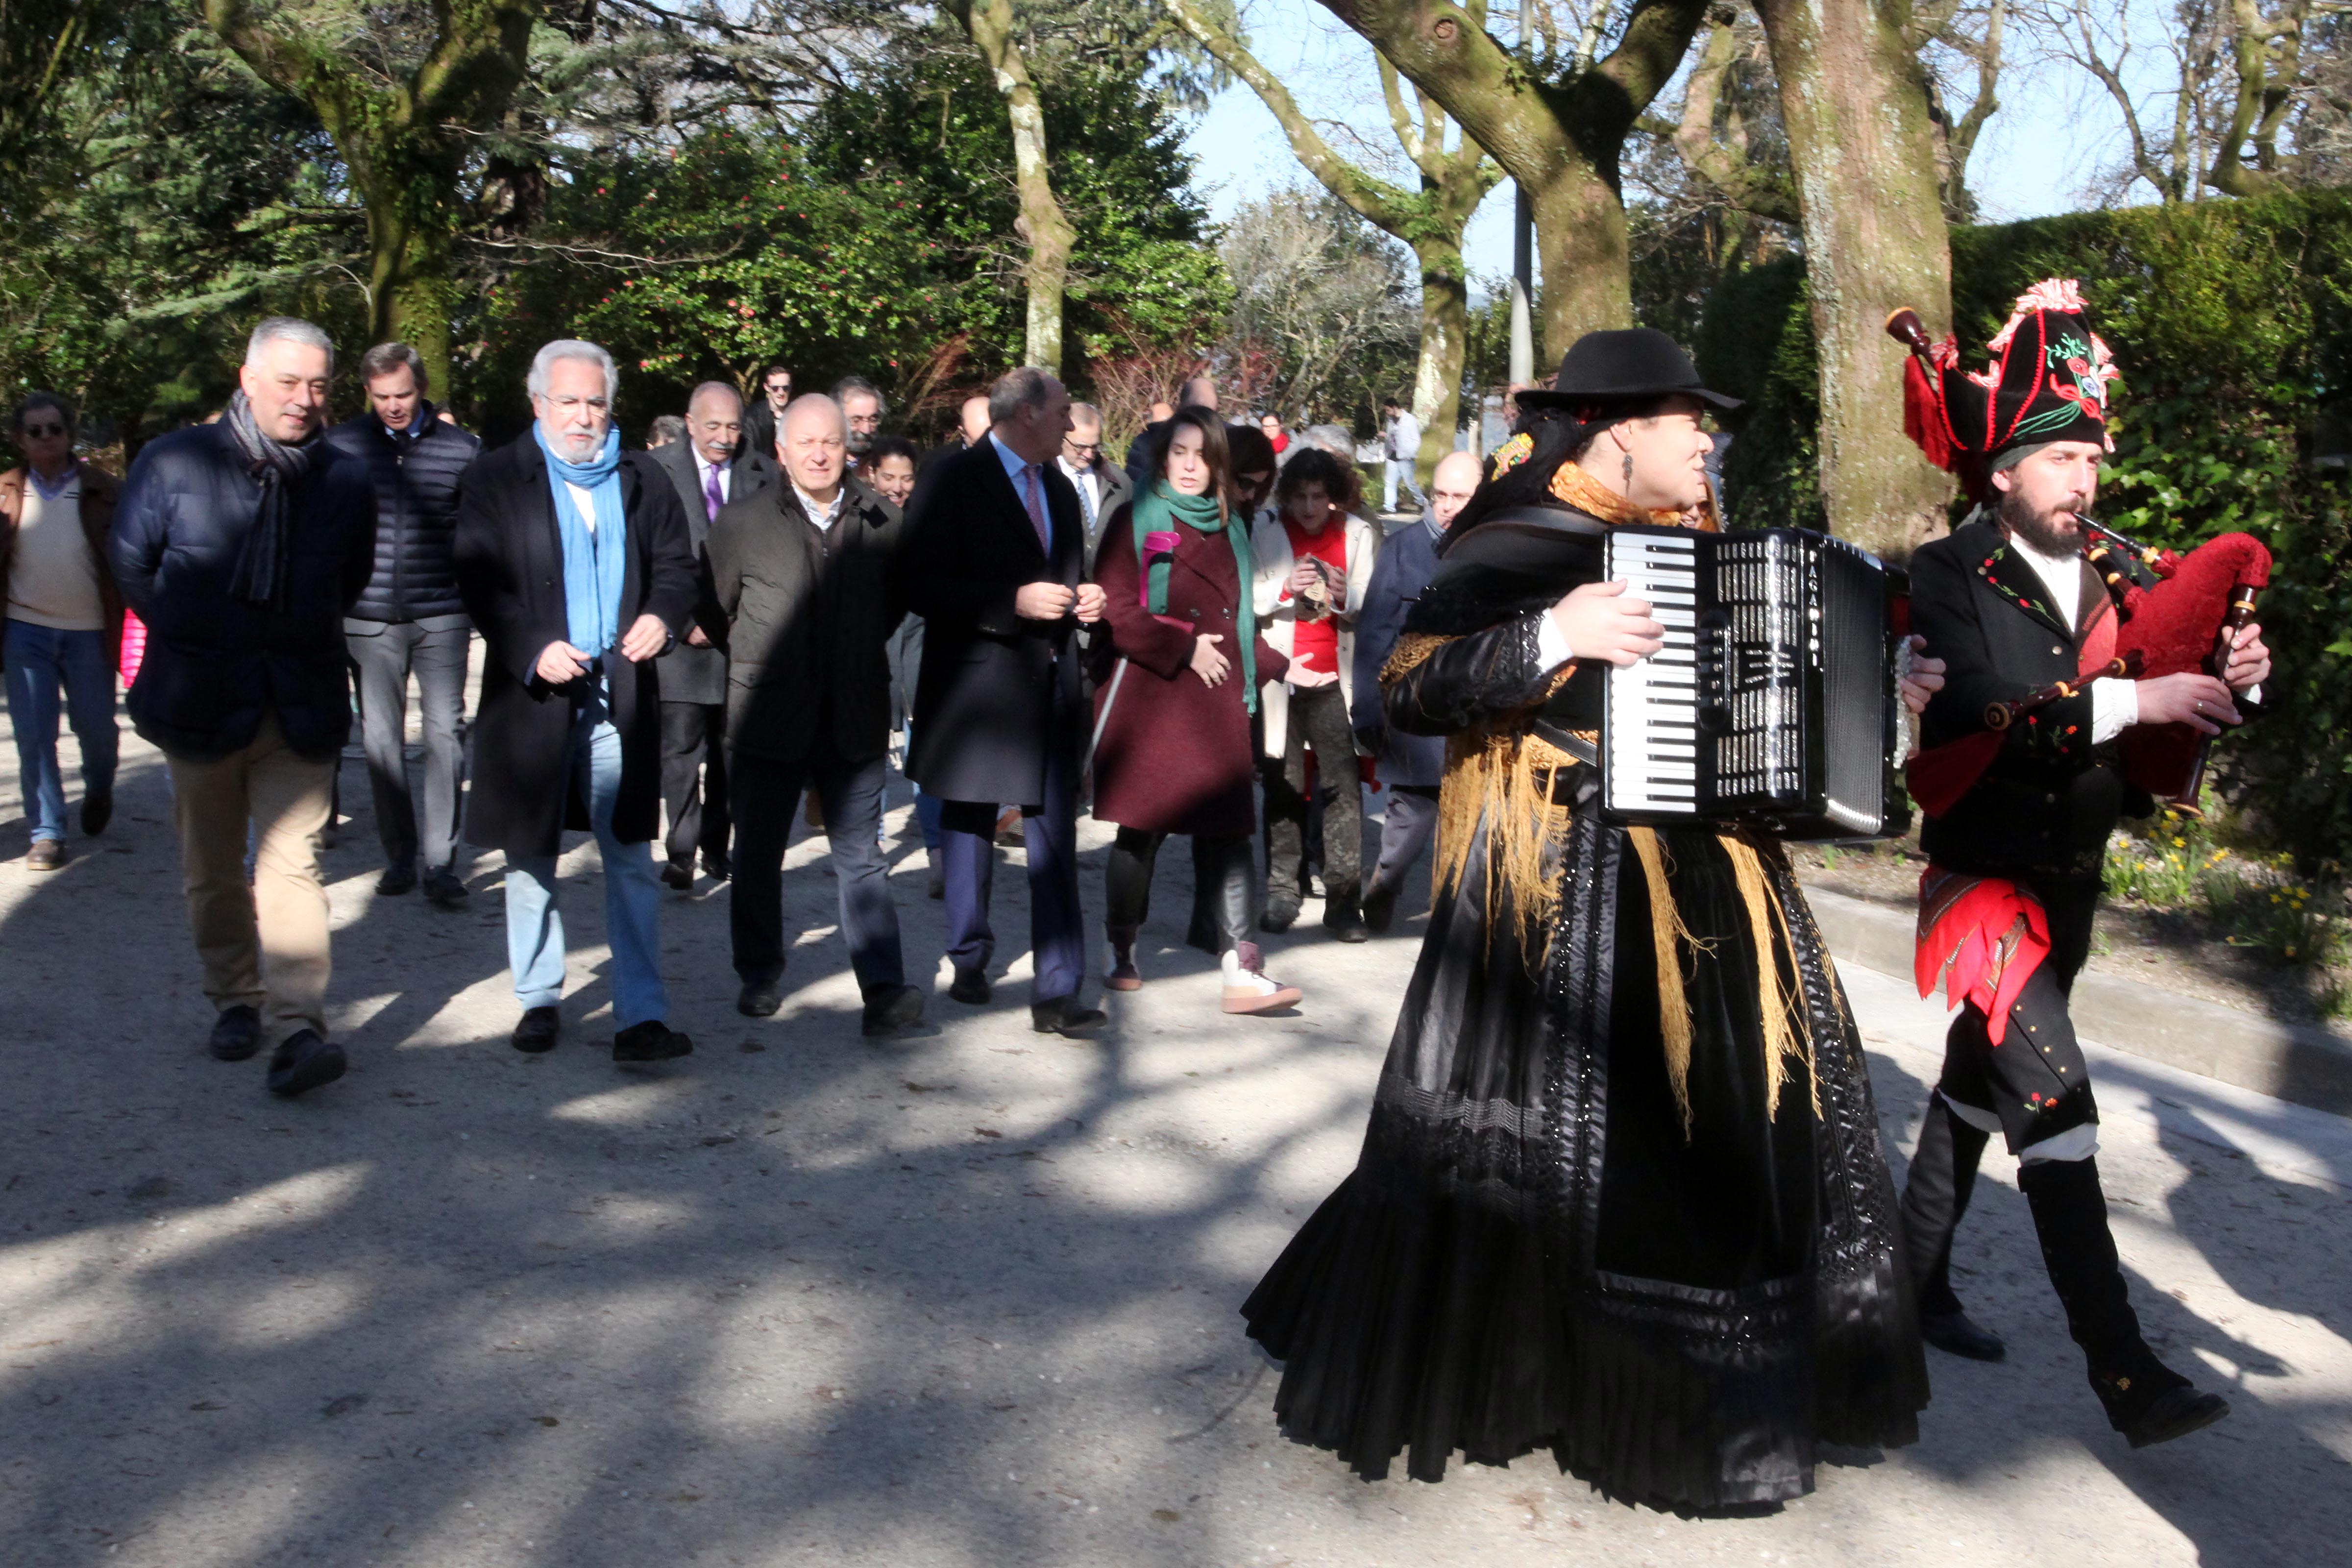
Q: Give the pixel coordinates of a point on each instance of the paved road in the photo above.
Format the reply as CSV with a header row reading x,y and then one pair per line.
x,y
967,1299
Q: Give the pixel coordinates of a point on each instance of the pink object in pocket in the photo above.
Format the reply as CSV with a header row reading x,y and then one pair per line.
x,y
1158,542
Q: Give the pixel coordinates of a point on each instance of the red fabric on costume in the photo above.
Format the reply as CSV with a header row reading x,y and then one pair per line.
x,y
1984,937
1315,645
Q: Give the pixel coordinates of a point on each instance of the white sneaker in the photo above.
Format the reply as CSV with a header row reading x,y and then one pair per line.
x,y
1247,987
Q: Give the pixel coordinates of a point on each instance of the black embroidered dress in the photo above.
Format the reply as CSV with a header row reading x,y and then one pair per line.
x,y
1680,1287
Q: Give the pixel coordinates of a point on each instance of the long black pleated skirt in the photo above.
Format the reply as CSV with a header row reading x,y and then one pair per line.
x,y
1533,1251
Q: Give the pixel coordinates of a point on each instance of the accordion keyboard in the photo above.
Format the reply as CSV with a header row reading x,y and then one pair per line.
x,y
1654,703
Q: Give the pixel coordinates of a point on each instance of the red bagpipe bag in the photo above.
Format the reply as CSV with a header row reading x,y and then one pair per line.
x,y
2175,629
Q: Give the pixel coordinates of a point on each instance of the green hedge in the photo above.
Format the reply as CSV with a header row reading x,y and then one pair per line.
x,y
2231,322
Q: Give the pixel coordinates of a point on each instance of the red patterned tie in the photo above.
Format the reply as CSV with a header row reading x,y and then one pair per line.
x,y
1034,497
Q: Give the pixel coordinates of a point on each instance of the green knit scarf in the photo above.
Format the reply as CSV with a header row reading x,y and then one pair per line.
x,y
1157,511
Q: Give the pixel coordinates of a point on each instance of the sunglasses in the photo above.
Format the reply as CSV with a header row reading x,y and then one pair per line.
x,y
44,429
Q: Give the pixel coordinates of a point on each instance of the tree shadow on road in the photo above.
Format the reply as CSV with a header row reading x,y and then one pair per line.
x,y
795,1291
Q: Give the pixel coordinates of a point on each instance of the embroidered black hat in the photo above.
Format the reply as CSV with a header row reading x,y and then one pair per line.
x,y
1621,365
2048,382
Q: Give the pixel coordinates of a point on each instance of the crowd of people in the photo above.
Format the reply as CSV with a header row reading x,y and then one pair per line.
x,y
1623,1195
684,642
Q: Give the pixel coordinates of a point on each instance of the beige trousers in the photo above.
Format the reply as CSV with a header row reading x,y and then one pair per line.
x,y
263,945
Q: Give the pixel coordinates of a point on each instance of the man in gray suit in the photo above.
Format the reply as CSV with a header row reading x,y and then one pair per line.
x,y
708,473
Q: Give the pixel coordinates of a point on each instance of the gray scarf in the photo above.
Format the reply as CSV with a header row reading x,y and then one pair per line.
x,y
260,575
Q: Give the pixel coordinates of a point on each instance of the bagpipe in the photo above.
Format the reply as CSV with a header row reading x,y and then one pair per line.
x,y
2187,622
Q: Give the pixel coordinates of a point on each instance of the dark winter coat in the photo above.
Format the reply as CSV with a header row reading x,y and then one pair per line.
x,y
809,616
216,663
415,479
691,674
510,571
1403,568
2050,799
1172,753
991,681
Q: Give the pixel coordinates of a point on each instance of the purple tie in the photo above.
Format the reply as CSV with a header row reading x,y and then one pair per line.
x,y
711,500
1034,497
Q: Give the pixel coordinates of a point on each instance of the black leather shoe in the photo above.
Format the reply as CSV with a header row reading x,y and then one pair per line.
x,y
97,811
398,878
237,1034
679,877
303,1061
1379,910
536,1030
891,1009
447,888
651,1041
1955,1333
1345,921
715,866
971,986
1064,1016
758,999
1280,915
2175,1413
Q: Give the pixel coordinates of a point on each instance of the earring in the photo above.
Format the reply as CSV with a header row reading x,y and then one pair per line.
x,y
1629,468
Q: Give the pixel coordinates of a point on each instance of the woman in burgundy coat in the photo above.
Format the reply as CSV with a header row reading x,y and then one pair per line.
x,y
1172,751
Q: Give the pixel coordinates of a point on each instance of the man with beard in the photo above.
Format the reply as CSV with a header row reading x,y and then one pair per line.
x,y
863,409
2010,604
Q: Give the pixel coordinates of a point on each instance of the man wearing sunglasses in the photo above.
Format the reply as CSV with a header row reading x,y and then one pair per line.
x,y
64,622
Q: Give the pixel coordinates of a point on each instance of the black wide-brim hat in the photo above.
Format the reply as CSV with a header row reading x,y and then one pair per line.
x,y
1621,366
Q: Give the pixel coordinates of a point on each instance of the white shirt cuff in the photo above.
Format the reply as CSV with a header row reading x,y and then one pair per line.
x,y
1552,643
2114,708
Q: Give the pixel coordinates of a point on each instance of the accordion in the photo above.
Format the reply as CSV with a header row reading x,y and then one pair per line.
x,y
1775,699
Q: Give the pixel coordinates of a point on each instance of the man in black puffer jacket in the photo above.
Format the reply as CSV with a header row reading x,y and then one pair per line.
x,y
409,617
241,544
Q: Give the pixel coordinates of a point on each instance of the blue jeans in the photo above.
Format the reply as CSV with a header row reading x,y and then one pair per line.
x,y
41,661
632,892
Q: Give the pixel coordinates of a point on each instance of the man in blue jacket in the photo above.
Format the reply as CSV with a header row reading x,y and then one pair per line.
x,y
1410,766
241,544
409,618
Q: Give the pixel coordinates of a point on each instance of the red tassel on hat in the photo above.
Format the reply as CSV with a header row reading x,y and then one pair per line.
x,y
1923,415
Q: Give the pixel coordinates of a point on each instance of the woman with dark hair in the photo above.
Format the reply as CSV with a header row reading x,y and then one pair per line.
x,y
1172,749
1313,556
887,469
1622,1195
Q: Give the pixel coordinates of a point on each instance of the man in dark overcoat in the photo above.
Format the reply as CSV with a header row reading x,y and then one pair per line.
x,y
805,574
575,562
996,567
2012,606
712,467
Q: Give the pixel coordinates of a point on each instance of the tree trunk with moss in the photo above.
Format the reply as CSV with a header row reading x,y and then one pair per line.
x,y
1429,220
1560,137
1854,102
1043,225
404,141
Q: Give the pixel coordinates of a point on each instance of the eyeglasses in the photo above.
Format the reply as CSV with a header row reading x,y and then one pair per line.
x,y
39,430
1082,449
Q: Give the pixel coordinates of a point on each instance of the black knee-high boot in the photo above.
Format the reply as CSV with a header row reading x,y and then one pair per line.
x,y
2144,1400
1935,1198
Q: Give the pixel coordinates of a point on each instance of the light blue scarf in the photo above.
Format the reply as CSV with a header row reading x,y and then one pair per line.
x,y
594,559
